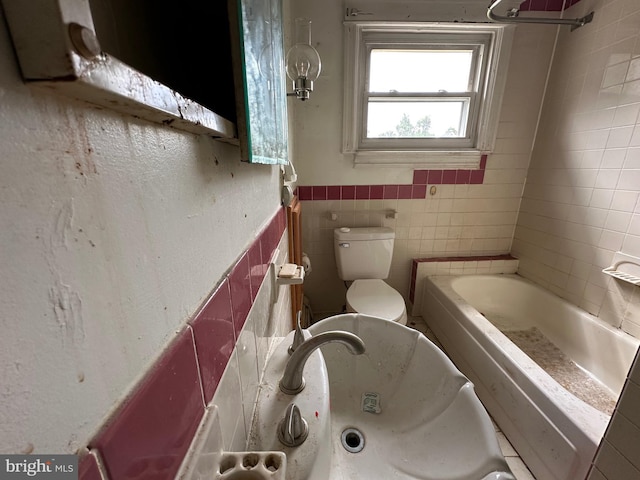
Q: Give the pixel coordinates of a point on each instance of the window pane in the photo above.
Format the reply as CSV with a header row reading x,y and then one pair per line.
x,y
417,119
420,70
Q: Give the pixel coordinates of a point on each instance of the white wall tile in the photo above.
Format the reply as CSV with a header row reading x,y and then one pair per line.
x,y
617,221
634,225
593,114
631,245
607,178
601,198
595,474
625,437
614,157
624,201
626,115
228,399
629,401
629,180
613,465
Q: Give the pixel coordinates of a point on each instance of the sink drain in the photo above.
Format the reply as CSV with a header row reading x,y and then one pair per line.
x,y
352,440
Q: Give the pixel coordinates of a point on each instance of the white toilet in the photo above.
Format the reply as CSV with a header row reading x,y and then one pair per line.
x,y
363,255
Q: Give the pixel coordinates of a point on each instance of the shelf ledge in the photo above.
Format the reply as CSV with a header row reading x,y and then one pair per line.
x,y
624,267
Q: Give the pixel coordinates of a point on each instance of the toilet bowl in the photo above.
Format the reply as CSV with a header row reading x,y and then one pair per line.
x,y
375,298
363,257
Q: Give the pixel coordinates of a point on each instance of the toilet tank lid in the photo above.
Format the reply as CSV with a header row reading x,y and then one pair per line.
x,y
364,233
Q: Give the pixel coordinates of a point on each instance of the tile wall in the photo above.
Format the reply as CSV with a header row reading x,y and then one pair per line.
x,y
618,455
216,359
439,213
417,189
581,203
469,265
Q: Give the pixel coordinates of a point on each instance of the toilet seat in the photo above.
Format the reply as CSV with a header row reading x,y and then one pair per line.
x,y
374,297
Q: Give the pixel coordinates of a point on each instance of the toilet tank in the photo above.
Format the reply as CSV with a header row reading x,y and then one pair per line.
x,y
363,252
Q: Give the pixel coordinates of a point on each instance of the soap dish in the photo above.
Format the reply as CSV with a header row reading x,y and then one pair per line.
x,y
252,465
625,267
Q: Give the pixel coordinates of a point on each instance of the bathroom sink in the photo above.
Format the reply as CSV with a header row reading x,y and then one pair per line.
x,y
402,409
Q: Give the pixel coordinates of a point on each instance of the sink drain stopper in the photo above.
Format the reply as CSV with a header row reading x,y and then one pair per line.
x,y
352,440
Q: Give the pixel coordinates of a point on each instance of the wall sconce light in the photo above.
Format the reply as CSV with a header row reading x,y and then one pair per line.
x,y
303,62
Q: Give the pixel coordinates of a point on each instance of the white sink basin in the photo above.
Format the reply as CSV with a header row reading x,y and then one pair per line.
x,y
409,408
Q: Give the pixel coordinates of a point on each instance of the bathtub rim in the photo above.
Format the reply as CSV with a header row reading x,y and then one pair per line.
x,y
626,340
589,420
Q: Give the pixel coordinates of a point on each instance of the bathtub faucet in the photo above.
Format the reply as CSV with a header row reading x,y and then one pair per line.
x,y
292,381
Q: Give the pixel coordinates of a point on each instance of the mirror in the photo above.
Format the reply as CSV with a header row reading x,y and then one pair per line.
x,y
258,57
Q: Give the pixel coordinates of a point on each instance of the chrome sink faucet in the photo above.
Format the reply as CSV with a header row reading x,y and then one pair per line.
x,y
292,381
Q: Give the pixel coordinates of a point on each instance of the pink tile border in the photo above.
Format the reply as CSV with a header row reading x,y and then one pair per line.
x,y
214,338
88,468
150,432
153,428
546,5
417,189
240,286
416,261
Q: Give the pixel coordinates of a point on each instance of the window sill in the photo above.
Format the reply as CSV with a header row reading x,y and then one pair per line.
x,y
447,159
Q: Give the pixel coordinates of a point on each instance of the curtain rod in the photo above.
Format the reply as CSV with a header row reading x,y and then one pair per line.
x,y
512,17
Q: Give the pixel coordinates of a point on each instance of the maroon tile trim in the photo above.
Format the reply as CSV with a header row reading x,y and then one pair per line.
x,y
257,268
333,192
476,177
405,192
504,256
214,338
415,190
348,192
150,434
546,5
376,192
390,192
88,468
319,193
240,293
420,177
419,191
304,193
416,261
434,176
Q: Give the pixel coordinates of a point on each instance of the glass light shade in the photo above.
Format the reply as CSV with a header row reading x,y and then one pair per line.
x,y
303,61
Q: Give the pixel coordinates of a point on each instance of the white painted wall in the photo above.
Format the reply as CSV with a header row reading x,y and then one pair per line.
x,y
114,230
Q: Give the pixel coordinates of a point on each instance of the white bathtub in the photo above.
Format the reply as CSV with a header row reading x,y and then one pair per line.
x,y
554,432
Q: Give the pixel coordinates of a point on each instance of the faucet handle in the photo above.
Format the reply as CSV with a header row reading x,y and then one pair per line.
x,y
298,337
293,429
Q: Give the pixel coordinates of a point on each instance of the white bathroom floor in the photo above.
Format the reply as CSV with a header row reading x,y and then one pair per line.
x,y
517,466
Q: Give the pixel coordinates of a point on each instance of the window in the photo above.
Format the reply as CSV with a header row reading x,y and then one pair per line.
x,y
422,93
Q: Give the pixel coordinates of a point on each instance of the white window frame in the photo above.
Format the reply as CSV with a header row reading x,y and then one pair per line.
x,y
493,45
